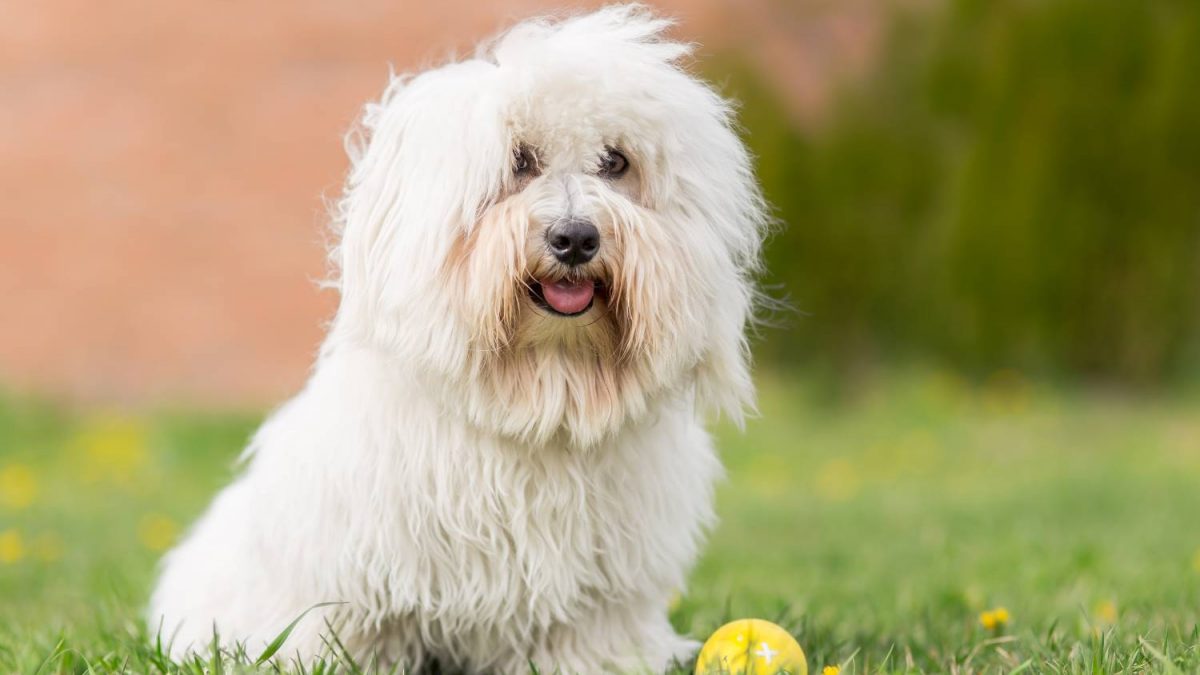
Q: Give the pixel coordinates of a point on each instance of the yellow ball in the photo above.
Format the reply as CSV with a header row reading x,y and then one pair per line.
x,y
752,647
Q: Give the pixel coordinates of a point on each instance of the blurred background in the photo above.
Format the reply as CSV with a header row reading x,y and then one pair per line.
x,y
989,238
983,186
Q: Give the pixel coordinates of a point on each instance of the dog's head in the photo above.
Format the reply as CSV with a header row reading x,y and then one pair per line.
x,y
559,231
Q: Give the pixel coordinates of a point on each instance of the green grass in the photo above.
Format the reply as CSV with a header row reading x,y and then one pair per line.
x,y
877,529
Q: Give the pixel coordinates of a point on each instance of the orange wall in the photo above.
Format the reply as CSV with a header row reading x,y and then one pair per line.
x,y
162,167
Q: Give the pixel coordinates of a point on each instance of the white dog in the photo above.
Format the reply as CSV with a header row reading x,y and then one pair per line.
x,y
545,258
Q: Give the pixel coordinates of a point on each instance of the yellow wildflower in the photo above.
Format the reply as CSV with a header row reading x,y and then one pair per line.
x,y
1196,561
113,448
12,547
837,480
994,618
1106,611
157,532
18,487
987,620
831,670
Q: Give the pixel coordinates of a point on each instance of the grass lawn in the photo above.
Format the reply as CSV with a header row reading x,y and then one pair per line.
x,y
879,531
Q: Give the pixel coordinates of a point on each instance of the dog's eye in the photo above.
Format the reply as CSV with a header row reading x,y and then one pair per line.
x,y
525,162
613,164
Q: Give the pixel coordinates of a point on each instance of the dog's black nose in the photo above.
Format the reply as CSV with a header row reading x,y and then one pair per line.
x,y
573,242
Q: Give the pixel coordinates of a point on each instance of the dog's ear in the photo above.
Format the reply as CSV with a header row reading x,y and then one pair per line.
x,y
723,381
721,190
425,159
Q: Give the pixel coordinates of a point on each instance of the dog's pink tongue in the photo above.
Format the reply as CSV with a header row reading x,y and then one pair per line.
x,y
568,297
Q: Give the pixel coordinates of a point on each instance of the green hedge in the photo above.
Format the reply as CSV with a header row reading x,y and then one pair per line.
x,y
1016,185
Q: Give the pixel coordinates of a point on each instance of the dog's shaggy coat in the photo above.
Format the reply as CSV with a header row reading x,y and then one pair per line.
x,y
480,478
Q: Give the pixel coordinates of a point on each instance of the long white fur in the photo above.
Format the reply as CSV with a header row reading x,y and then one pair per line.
x,y
475,480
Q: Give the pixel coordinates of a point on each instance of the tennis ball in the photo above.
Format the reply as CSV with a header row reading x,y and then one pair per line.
x,y
751,647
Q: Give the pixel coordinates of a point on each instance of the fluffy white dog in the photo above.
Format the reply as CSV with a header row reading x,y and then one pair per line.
x,y
545,258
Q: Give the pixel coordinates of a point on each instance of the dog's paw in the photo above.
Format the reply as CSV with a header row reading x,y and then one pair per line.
x,y
683,653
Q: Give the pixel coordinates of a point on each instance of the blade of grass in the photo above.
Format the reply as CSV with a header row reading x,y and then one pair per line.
x,y
1022,668
1167,664
277,643
56,651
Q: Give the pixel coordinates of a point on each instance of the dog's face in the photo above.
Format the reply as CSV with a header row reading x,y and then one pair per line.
x,y
559,232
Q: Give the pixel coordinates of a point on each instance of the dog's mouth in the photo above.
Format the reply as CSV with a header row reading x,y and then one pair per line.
x,y
565,297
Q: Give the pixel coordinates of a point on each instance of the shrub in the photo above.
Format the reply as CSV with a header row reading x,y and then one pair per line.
x,y
1016,185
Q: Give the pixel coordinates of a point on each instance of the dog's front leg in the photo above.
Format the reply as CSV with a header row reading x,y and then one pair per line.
x,y
613,638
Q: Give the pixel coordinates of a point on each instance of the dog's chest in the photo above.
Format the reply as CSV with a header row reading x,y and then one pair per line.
x,y
532,539
543,534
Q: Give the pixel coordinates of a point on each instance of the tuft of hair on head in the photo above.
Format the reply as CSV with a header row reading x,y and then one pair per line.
x,y
612,29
